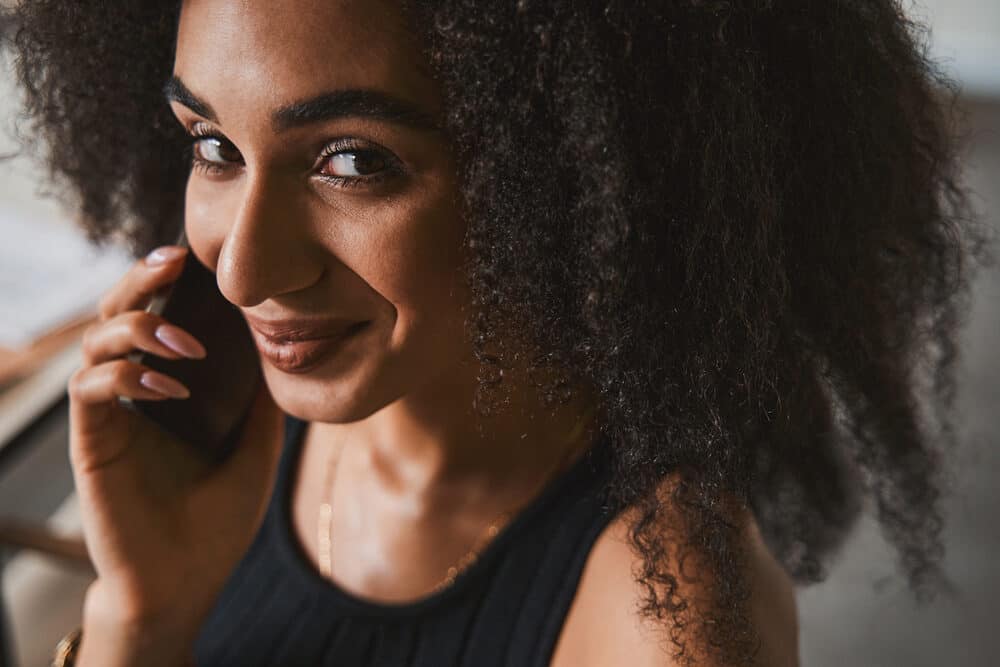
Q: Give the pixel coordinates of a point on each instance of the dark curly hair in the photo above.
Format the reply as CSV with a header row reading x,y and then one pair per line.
x,y
741,222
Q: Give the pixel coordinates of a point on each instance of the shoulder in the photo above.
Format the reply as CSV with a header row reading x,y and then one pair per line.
x,y
591,636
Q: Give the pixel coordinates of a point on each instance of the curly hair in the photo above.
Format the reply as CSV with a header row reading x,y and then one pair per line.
x,y
741,222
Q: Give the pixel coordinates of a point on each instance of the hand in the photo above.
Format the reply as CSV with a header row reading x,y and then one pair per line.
x,y
163,530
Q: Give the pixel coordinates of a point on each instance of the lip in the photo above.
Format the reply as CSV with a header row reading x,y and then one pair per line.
x,y
307,349
300,328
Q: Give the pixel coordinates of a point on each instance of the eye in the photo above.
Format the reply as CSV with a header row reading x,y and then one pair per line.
x,y
215,150
354,164
212,154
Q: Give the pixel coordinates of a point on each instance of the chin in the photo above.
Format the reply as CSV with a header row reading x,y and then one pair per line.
x,y
353,386
317,397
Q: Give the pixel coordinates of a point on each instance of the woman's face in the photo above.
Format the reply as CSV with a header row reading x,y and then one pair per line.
x,y
321,189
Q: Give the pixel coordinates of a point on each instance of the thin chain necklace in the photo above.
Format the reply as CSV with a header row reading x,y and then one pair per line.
x,y
325,542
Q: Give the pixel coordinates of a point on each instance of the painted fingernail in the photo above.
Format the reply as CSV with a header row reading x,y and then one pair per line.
x,y
180,341
163,384
165,254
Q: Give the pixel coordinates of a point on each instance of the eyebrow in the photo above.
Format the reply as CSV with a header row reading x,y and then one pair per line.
x,y
348,103
175,91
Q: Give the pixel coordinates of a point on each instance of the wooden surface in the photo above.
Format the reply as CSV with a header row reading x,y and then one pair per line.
x,y
19,534
16,364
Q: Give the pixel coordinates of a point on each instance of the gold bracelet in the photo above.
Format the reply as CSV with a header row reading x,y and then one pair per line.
x,y
67,648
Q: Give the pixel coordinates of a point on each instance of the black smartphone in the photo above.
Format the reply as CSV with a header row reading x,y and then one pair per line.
x,y
222,384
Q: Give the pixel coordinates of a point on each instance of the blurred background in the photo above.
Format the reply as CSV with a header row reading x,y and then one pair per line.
x,y
862,615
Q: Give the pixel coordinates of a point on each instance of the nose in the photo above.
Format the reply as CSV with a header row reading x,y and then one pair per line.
x,y
265,250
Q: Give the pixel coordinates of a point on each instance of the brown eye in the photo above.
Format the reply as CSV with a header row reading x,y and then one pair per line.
x,y
216,150
354,164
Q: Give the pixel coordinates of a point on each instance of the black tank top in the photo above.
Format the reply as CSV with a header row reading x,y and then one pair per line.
x,y
506,609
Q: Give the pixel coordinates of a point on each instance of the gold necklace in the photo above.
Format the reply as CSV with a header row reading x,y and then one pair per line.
x,y
324,522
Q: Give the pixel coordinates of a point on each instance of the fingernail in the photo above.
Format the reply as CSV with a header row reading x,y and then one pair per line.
x,y
164,254
163,384
180,341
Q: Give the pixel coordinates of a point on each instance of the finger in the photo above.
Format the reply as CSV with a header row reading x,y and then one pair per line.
x,y
136,329
136,288
94,392
90,388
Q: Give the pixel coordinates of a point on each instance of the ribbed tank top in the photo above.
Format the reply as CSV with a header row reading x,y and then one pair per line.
x,y
506,609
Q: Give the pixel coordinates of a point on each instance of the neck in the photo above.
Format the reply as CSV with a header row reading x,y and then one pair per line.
x,y
432,441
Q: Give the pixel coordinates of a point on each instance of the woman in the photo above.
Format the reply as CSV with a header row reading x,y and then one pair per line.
x,y
635,304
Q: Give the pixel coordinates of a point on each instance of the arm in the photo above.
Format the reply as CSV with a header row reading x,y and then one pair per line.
x,y
112,637
603,626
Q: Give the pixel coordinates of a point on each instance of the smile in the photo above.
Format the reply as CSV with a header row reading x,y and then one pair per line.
x,y
301,356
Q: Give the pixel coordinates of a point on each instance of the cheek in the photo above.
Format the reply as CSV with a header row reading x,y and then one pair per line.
x,y
405,252
417,267
205,213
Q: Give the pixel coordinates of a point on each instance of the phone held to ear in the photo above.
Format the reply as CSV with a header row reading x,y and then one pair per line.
x,y
222,384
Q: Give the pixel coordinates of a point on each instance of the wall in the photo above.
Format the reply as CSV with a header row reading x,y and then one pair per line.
x,y
967,34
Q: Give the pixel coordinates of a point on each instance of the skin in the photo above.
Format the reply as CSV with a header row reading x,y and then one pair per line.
x,y
394,408
416,481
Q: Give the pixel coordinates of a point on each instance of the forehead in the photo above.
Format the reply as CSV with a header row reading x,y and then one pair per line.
x,y
285,50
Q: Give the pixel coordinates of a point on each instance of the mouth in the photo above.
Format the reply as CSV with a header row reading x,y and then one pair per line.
x,y
301,350
298,328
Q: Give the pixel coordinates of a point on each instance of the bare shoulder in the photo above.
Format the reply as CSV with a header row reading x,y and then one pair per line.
x,y
603,626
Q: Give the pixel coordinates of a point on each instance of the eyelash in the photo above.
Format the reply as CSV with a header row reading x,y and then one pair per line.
x,y
341,145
